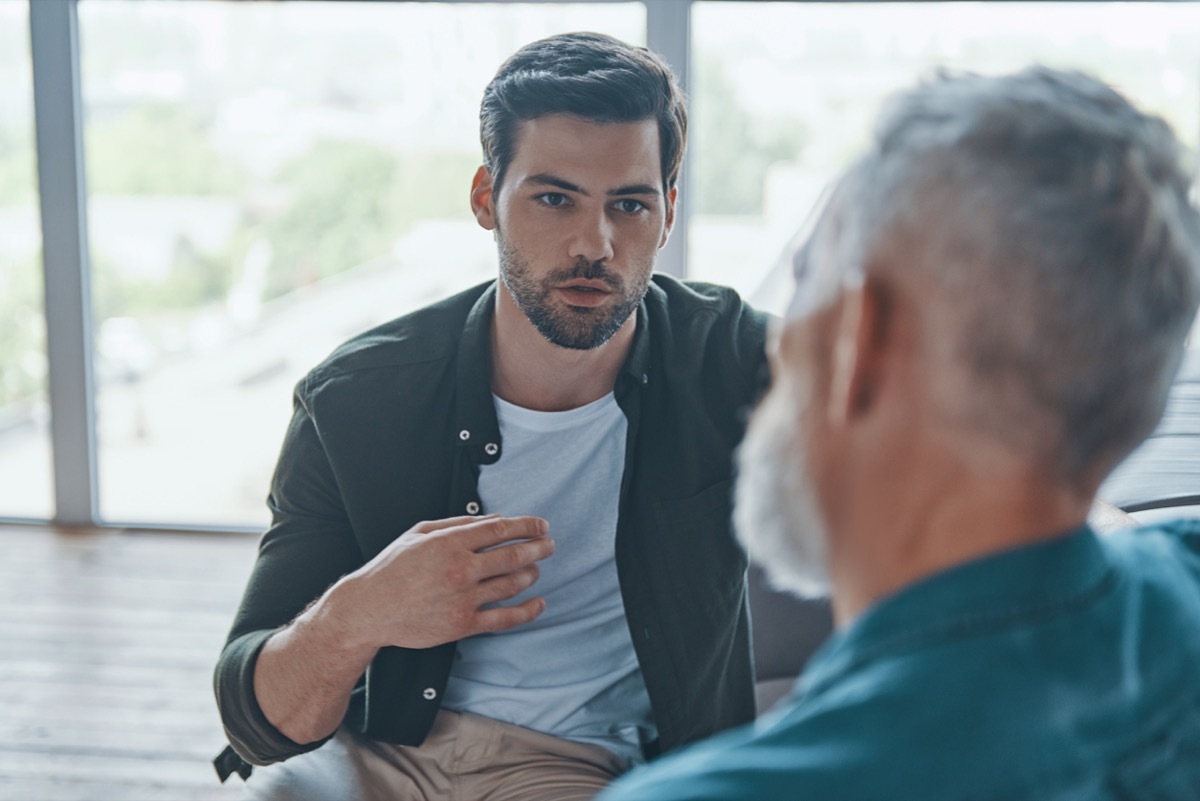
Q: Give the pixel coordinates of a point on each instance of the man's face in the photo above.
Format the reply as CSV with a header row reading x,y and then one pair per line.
x,y
777,515
579,220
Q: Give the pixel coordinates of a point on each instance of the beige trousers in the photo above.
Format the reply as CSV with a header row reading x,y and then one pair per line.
x,y
464,758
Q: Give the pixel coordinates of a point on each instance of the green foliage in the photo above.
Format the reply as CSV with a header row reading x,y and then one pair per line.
x,y
737,148
347,202
22,333
157,149
194,279
18,172
334,218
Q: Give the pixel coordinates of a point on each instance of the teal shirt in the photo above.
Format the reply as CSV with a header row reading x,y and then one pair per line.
x,y
1069,669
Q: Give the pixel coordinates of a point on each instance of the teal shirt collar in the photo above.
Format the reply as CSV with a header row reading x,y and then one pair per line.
x,y
984,594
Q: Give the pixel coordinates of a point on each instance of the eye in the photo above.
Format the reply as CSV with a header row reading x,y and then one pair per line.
x,y
631,206
553,199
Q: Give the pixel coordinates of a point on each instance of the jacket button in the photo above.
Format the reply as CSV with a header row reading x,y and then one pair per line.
x,y
645,378
491,449
429,694
464,435
472,508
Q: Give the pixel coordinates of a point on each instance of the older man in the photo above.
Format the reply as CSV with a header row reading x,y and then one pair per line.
x,y
987,320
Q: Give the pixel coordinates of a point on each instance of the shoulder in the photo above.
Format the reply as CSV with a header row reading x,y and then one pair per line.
x,y
791,754
1158,569
424,337
682,301
1170,550
693,320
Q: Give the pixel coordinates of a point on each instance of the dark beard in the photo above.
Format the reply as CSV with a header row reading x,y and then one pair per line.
x,y
569,326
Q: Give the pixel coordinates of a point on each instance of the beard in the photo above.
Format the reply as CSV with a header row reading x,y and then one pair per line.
x,y
776,515
571,327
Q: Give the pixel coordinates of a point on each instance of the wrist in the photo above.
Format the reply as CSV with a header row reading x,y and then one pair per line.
x,y
342,621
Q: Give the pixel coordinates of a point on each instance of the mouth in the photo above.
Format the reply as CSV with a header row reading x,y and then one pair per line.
x,y
584,292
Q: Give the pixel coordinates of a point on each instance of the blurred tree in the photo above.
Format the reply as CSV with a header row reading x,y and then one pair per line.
x,y
348,202
22,332
17,168
738,148
159,149
195,278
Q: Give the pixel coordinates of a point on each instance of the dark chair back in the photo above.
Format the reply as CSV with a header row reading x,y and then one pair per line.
x,y
785,631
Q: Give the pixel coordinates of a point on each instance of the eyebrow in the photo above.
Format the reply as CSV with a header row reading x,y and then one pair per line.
x,y
631,189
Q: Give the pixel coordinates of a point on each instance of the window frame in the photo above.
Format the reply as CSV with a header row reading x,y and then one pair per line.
x,y
62,197
62,193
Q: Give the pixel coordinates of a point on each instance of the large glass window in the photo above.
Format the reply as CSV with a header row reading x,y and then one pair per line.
x,y
25,467
266,180
784,95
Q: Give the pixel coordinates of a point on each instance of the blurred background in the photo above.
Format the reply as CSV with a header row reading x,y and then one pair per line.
x,y
266,179
199,199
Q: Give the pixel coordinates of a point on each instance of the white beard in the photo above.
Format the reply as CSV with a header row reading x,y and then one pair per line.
x,y
776,516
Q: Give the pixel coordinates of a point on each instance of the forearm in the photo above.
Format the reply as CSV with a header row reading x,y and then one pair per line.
x,y
306,671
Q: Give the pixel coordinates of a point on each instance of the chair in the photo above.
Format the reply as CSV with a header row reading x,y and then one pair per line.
x,y
785,631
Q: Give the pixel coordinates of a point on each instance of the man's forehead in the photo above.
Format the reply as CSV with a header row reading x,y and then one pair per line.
x,y
595,156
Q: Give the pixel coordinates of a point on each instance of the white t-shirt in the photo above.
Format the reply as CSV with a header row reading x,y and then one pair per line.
x,y
572,672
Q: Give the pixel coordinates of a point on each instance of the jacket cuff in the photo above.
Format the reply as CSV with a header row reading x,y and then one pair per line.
x,y
252,736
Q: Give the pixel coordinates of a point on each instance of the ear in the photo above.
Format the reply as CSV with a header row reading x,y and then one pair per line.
x,y
672,196
863,340
482,205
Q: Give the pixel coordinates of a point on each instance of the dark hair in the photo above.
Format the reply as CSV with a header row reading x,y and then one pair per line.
x,y
587,75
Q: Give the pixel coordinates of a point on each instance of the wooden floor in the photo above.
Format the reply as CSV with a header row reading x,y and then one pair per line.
x,y
107,642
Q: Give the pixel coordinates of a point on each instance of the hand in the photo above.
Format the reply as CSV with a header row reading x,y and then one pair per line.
x,y
430,585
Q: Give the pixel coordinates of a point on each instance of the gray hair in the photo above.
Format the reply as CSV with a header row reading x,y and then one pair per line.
x,y
1048,224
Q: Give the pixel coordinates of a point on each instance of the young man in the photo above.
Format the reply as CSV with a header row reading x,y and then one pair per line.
x,y
500,562
986,321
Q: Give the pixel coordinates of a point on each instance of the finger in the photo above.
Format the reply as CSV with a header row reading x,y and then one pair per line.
x,y
501,588
513,556
488,533
506,617
430,526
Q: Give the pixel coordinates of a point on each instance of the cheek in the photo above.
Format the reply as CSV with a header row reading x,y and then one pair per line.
x,y
796,404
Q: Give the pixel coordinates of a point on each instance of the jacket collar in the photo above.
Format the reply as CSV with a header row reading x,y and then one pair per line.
x,y
986,594
476,428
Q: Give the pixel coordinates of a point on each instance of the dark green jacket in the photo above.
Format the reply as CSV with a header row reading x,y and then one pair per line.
x,y
392,429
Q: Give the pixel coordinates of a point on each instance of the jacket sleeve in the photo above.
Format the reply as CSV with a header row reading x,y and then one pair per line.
x,y
308,547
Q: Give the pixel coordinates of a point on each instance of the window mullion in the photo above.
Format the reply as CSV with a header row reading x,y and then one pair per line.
x,y
669,33
54,44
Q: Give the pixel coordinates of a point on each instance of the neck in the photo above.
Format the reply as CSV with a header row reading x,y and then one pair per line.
x,y
951,520
530,371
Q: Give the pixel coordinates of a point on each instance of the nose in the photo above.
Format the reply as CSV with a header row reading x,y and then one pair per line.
x,y
592,238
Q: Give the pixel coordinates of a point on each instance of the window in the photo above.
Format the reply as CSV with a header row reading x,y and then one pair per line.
x,y
25,470
785,94
266,180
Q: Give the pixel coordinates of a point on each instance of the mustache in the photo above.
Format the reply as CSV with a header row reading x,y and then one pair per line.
x,y
589,271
